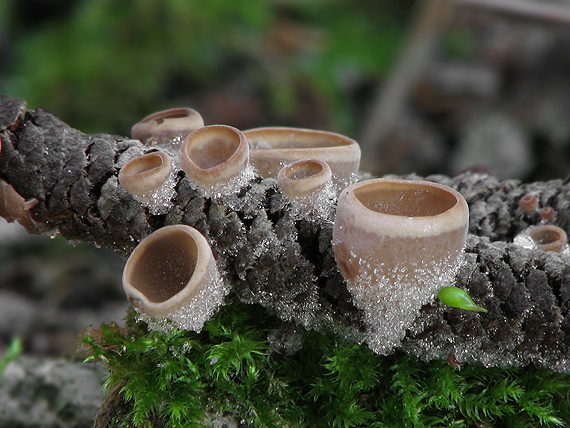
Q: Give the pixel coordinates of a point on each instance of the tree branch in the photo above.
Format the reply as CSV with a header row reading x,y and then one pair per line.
x,y
270,257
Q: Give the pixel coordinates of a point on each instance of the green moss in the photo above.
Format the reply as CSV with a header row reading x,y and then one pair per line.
x,y
174,379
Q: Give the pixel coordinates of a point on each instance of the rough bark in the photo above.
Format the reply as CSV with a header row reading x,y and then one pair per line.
x,y
270,257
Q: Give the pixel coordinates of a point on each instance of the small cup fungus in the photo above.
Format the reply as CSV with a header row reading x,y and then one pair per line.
x,y
528,203
214,155
145,174
305,182
274,147
167,126
150,179
547,213
13,207
548,238
172,274
396,243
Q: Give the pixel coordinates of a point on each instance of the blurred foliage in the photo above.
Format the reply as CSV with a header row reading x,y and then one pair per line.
x,y
102,65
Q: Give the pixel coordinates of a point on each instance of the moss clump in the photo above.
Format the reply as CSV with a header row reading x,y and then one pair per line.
x,y
174,379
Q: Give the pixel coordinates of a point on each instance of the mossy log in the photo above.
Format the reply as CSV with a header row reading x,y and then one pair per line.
x,y
271,257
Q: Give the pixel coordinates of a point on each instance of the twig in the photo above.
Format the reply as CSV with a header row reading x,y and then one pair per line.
x,y
430,18
536,10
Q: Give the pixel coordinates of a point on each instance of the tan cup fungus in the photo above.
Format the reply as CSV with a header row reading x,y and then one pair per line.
x,y
399,233
168,270
214,154
145,174
304,179
549,238
273,148
397,242
172,124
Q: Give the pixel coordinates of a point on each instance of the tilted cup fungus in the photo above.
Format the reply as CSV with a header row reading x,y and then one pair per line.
x,y
396,243
548,237
274,147
13,207
307,183
167,126
172,275
214,155
150,179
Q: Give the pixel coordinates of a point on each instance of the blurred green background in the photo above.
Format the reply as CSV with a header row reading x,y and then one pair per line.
x,y
102,65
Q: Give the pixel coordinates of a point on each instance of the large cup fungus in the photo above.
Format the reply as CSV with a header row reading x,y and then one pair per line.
x,y
168,126
215,155
397,242
272,148
172,275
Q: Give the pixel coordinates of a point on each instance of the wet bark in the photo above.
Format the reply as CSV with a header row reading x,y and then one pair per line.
x,y
269,256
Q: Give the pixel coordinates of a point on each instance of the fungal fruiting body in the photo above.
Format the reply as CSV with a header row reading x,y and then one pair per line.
x,y
216,157
171,278
307,183
272,148
528,203
151,179
13,207
546,237
458,298
167,128
396,243
547,213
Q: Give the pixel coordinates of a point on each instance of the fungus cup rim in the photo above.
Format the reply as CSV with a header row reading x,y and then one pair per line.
x,y
452,218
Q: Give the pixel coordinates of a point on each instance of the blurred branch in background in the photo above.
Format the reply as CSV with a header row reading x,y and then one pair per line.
x,y
430,18
543,10
479,84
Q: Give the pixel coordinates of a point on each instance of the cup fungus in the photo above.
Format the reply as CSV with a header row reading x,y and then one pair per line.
x,y
396,243
528,203
150,178
172,275
548,237
274,147
13,207
547,213
145,174
214,155
167,126
303,180
307,183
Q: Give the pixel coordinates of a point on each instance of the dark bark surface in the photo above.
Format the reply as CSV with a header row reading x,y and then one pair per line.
x,y
270,257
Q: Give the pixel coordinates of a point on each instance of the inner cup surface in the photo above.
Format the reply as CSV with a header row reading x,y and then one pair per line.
x,y
145,163
165,266
407,200
301,170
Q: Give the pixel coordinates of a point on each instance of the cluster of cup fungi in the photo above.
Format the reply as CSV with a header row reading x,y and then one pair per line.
x,y
396,241
545,236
